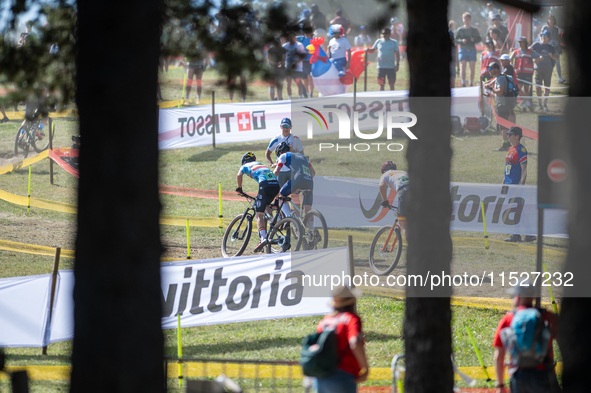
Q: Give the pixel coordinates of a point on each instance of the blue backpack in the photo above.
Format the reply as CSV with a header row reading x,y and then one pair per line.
x,y
511,91
527,339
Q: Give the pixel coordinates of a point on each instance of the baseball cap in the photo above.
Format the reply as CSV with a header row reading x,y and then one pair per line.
x,y
505,57
546,33
489,42
496,16
494,65
522,38
515,131
306,13
286,122
362,28
524,288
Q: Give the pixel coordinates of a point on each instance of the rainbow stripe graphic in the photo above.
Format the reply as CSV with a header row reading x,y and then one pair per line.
x,y
317,119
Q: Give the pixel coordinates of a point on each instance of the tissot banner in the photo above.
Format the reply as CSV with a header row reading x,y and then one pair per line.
x,y
255,121
349,202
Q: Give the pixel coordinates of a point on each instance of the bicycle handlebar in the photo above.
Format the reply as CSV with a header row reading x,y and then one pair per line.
x,y
243,194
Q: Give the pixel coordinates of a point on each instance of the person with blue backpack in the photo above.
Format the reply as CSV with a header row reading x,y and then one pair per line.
x,y
526,334
505,92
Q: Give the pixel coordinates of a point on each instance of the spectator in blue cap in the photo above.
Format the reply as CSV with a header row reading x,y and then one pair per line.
x,y
362,39
295,145
543,68
305,21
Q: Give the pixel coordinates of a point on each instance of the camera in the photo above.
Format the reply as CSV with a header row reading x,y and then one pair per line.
x,y
76,139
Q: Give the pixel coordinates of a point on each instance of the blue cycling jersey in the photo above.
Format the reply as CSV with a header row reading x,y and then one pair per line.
x,y
297,163
258,172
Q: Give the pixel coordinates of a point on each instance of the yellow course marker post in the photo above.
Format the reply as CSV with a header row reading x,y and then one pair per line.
x,y
188,241
484,223
478,354
221,216
179,351
184,85
550,289
29,195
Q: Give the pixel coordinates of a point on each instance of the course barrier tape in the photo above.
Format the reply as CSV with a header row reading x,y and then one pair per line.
x,y
24,163
545,87
196,369
73,209
507,124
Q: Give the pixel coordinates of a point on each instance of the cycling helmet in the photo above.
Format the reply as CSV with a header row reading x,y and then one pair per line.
x,y
336,29
388,166
248,157
283,147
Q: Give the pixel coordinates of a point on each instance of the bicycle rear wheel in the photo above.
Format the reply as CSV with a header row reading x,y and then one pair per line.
x,y
21,145
318,236
285,236
385,250
41,138
236,237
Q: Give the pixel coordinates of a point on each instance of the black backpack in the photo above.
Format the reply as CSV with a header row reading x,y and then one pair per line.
x,y
511,91
319,357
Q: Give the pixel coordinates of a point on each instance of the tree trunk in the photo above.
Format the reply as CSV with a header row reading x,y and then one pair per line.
x,y
118,341
427,327
574,338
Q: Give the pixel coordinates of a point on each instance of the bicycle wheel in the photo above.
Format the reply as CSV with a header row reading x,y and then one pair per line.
x,y
41,138
286,235
318,236
385,250
236,237
21,145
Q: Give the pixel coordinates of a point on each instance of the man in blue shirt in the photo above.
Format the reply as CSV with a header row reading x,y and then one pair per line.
x,y
388,59
516,168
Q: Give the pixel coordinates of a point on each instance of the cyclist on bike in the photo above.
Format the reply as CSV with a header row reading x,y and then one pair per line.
x,y
302,173
268,189
398,181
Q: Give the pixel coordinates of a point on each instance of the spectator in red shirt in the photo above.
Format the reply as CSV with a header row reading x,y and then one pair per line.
x,y
341,20
353,367
540,379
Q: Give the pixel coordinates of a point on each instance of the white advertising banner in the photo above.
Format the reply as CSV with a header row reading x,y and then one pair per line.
x,y
208,292
24,305
255,121
349,202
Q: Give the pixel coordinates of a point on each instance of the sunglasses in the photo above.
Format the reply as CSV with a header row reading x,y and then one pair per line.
x,y
286,126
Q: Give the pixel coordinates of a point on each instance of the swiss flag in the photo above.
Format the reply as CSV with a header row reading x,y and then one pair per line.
x,y
244,123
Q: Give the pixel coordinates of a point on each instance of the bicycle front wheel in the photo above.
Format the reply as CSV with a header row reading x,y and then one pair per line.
x,y
285,236
385,250
41,138
236,237
21,145
317,237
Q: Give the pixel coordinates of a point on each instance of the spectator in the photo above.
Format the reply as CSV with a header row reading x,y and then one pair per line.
x,y
516,168
540,379
5,119
353,367
504,105
295,146
339,49
388,59
397,30
295,53
497,23
195,67
341,20
488,57
543,68
524,67
453,66
452,26
276,60
509,71
319,22
306,66
467,36
362,39
305,21
491,11
27,35
495,34
555,42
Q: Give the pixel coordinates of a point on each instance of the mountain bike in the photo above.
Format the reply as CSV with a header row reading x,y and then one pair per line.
x,y
29,135
312,239
386,248
284,233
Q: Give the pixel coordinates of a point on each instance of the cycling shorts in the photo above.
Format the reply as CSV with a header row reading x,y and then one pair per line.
x,y
401,194
267,192
299,182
